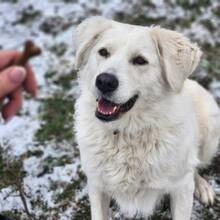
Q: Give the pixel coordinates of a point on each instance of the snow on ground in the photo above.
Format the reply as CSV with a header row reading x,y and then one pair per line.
x,y
39,154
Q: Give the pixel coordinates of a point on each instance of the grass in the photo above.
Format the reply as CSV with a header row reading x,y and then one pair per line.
x,y
83,209
11,171
193,4
28,15
56,112
70,189
12,174
211,59
65,81
57,119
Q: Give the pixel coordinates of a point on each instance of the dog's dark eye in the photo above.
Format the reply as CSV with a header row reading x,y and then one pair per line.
x,y
139,60
104,52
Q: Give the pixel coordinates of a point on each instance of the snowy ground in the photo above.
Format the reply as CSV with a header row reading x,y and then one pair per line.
x,y
40,171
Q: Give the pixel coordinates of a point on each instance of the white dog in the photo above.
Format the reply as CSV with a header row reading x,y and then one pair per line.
x,y
142,127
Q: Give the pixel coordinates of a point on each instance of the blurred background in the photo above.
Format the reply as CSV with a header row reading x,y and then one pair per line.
x,y
40,173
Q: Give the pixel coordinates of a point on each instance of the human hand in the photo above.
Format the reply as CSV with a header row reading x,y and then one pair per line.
x,y
13,80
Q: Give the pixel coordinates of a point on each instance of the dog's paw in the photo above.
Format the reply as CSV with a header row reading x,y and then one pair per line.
x,y
203,191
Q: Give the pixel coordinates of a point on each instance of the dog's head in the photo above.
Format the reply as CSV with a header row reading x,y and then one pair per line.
x,y
126,66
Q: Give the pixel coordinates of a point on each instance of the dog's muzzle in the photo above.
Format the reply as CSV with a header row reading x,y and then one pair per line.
x,y
109,111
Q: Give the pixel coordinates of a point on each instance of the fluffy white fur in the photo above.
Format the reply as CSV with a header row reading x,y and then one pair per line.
x,y
172,129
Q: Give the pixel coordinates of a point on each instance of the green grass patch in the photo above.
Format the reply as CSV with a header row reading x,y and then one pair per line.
x,y
50,162
70,189
144,20
193,4
216,10
65,81
138,19
83,209
28,15
57,119
11,171
211,62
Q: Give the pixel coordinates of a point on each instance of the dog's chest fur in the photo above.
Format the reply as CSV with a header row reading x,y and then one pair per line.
x,y
125,161
129,162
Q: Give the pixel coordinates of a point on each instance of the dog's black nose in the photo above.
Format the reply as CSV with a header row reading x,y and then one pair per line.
x,y
106,82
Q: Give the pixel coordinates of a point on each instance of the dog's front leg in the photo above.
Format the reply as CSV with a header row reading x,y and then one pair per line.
x,y
99,204
182,200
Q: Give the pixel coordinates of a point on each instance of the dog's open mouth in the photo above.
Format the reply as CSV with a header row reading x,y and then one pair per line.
x,y
109,111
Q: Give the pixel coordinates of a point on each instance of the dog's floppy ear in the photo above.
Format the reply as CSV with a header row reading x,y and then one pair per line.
x,y
178,56
86,35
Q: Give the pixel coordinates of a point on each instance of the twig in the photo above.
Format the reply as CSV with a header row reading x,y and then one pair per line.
x,y
23,199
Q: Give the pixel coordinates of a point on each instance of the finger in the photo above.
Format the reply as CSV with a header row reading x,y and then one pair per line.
x,y
10,79
7,57
30,84
14,104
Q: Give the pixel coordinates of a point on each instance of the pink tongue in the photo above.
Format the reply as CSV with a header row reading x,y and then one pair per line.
x,y
106,107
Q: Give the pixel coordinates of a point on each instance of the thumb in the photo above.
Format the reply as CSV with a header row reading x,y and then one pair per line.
x,y
10,79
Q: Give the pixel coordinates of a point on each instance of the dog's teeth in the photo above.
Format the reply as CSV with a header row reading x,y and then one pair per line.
x,y
106,112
